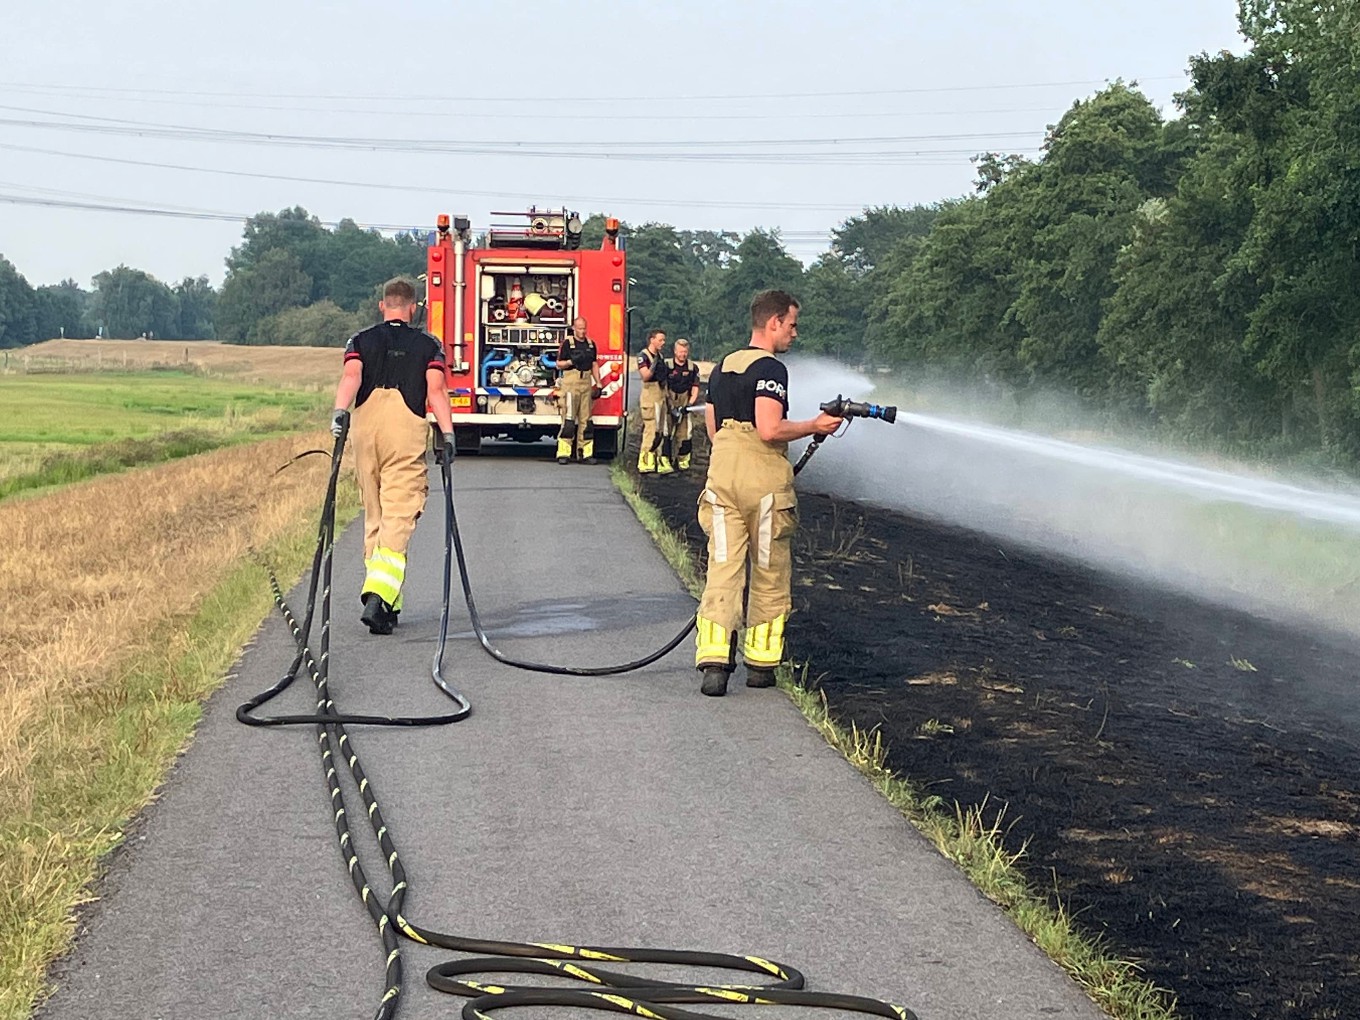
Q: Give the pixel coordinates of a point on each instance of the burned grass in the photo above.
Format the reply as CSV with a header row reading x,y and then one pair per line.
x,y
1181,780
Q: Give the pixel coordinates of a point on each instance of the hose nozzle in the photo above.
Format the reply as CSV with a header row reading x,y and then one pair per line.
x,y
842,408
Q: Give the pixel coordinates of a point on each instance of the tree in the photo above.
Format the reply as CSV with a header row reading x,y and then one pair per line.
x,y
760,263
864,242
195,307
323,324
131,303
64,310
294,231
18,307
250,294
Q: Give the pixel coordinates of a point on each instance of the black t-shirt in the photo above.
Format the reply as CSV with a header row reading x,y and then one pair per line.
x,y
733,392
681,378
395,356
581,353
655,364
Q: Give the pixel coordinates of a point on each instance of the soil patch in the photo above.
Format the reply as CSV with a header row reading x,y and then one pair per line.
x,y
1186,776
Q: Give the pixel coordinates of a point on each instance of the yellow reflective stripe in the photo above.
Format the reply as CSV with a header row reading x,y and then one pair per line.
x,y
768,967
586,954
396,559
764,644
628,1004
713,642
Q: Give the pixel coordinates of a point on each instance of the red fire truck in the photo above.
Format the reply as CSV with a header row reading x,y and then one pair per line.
x,y
502,310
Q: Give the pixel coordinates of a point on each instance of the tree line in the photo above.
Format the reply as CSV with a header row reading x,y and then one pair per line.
x,y
1197,274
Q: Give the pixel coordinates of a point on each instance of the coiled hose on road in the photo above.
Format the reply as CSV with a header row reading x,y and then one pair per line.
x,y
612,990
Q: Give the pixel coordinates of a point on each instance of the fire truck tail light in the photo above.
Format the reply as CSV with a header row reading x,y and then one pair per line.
x,y
436,256
617,260
436,280
618,286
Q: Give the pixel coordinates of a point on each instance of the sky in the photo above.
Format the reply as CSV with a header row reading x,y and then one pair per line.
x,y
706,115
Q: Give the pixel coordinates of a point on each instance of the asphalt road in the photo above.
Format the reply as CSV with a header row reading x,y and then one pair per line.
x,y
622,810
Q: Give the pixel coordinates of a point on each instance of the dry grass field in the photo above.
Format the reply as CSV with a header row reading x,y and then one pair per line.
x,y
301,367
129,596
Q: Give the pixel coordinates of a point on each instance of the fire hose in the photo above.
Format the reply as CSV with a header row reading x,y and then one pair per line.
x,y
612,991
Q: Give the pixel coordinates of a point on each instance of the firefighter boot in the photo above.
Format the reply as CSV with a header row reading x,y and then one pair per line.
x,y
646,462
663,465
377,614
587,451
759,676
564,451
715,681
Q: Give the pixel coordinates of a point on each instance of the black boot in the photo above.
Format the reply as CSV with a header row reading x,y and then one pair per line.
x,y
760,676
715,681
377,614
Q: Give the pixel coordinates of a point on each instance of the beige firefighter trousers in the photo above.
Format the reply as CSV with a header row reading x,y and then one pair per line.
x,y
652,408
681,427
389,459
574,392
749,512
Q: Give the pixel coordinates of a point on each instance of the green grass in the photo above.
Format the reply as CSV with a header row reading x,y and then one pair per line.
x,y
59,429
140,722
975,842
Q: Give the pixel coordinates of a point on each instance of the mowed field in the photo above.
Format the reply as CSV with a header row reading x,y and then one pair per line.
x,y
137,584
291,367
77,408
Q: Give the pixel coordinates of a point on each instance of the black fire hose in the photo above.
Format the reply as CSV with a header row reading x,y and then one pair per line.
x,y
322,560
612,990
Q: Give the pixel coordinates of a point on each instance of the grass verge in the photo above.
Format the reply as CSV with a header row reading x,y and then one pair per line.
x,y
974,843
68,466
90,725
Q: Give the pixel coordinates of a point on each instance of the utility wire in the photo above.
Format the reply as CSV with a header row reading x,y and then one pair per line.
x,y
426,98
477,146
426,115
613,201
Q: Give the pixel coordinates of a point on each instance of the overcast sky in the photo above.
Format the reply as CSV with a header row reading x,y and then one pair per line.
x,y
722,114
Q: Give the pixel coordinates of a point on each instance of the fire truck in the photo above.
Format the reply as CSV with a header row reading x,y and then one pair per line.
x,y
501,310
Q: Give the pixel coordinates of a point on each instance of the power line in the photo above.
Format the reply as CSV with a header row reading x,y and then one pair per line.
x,y
95,203
839,154
476,145
558,117
616,201
427,98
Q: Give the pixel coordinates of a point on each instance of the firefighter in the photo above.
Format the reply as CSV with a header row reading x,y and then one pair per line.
x,y
392,372
748,508
652,405
577,389
682,389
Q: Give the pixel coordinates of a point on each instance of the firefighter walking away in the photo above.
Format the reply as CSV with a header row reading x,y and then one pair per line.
x,y
748,508
392,372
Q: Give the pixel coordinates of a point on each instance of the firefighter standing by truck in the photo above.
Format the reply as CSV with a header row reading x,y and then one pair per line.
x,y
392,372
577,358
652,459
682,390
748,508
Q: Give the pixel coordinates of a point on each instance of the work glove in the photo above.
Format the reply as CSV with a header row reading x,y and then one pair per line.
x,y
595,392
339,422
443,451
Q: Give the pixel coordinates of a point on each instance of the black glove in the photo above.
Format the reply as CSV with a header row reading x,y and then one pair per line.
x,y
595,392
443,450
339,422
